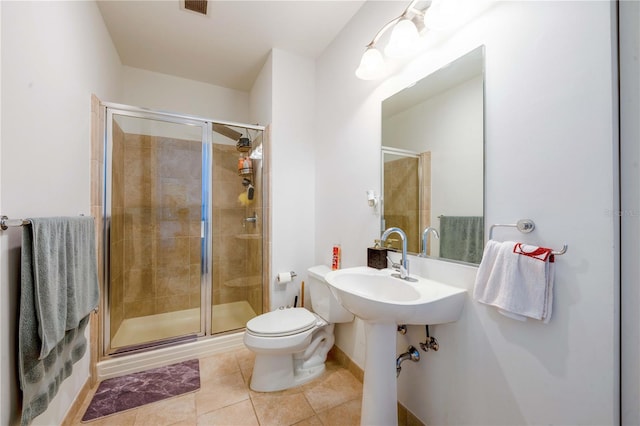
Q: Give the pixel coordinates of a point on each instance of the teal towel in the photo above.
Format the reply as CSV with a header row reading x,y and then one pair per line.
x,y
462,238
40,378
64,275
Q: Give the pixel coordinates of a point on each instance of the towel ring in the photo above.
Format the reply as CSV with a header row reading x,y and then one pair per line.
x,y
526,226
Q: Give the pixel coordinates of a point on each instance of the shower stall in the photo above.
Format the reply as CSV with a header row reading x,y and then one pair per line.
x,y
183,219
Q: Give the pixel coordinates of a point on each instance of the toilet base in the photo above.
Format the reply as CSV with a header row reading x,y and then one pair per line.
x,y
276,372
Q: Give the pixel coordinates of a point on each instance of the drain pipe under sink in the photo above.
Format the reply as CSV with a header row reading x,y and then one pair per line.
x,y
411,353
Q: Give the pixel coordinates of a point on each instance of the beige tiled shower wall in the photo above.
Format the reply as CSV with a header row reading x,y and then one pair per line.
x,y
401,199
237,243
156,228
175,228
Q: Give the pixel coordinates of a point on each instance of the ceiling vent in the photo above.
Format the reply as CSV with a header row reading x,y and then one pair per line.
x,y
198,6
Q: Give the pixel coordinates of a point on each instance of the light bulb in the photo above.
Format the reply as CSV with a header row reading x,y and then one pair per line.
x,y
404,39
371,64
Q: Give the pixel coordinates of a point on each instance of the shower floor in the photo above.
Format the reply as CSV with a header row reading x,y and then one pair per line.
x,y
226,317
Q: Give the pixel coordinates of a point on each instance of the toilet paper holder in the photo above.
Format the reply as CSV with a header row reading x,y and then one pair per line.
x,y
282,277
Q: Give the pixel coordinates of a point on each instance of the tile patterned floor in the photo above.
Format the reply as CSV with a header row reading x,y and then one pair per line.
x,y
224,398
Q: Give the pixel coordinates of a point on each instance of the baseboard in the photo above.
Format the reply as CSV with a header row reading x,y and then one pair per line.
x,y
75,408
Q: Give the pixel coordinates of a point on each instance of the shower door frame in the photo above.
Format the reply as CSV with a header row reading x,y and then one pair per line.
x,y
206,296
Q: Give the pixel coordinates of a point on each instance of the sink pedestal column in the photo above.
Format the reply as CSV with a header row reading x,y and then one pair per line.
x,y
380,388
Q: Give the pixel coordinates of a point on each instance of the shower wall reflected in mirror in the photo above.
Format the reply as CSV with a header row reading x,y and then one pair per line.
x,y
184,219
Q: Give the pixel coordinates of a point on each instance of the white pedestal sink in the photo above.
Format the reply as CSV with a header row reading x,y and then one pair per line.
x,y
382,302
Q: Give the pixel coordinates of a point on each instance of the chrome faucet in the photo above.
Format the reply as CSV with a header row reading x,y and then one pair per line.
x,y
403,267
425,236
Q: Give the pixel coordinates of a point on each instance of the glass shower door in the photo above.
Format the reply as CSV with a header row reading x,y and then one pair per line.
x,y
157,209
237,235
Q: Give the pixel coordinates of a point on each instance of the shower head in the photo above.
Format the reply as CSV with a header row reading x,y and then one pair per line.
x,y
250,190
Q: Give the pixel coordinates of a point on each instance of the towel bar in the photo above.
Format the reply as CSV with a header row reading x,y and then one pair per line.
x,y
5,222
525,226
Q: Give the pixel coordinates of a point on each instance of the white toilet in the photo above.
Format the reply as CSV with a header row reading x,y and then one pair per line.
x,y
291,344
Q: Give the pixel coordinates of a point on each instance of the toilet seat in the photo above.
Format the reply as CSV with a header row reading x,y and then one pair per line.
x,y
282,322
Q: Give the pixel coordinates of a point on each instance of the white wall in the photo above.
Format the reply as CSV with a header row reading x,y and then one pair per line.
x,y
283,96
550,156
54,56
5,331
140,88
292,171
260,96
630,212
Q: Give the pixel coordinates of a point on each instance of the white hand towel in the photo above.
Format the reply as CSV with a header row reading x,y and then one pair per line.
x,y
517,279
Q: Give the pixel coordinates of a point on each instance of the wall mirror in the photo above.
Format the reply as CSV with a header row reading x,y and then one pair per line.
x,y
432,162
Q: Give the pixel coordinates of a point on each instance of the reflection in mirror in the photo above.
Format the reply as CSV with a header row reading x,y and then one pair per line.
x,y
433,161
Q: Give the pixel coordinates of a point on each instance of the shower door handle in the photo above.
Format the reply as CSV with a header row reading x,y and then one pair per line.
x,y
251,219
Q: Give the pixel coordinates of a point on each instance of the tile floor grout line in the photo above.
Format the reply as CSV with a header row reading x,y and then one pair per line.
x,y
316,414
255,414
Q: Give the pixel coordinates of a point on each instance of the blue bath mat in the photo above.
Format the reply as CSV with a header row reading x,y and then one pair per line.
x,y
133,390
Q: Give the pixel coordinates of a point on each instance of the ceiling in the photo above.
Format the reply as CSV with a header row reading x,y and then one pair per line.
x,y
228,46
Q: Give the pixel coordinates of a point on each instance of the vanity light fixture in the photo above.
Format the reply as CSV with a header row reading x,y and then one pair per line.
x,y
405,35
407,29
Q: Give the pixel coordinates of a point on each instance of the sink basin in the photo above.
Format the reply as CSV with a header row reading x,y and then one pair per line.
x,y
382,301
376,296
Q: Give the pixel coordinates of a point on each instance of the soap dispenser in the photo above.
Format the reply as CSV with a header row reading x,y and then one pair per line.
x,y
377,256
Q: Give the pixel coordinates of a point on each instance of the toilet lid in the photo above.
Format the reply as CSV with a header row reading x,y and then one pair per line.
x,y
282,322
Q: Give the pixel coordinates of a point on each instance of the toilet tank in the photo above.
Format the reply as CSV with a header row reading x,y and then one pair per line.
x,y
323,302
